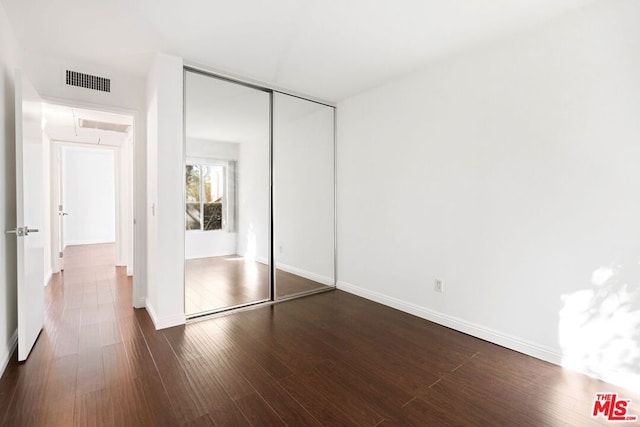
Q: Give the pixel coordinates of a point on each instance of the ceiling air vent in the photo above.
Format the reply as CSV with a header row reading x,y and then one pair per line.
x,y
94,124
74,78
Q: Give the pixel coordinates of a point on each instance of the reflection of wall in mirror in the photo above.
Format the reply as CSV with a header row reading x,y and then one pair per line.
x,y
204,148
253,199
303,188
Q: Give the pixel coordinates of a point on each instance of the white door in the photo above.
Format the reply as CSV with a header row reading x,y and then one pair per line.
x,y
29,214
61,215
57,230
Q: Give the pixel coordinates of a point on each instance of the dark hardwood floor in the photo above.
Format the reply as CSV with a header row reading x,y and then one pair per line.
x,y
327,359
227,281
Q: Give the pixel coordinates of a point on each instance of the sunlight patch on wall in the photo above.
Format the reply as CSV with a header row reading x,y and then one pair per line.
x,y
599,328
252,247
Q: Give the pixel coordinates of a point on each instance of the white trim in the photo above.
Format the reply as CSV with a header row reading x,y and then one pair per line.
x,y
120,205
259,259
306,274
122,166
479,331
166,322
47,277
226,208
151,311
55,197
87,242
206,161
11,348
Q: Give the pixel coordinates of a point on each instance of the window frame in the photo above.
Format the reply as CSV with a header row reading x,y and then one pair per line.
x,y
201,163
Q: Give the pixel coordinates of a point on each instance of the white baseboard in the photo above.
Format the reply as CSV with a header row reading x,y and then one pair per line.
x,y
165,322
87,242
11,347
261,260
479,331
306,274
210,255
47,277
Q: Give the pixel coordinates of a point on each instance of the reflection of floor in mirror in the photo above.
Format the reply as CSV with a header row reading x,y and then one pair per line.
x,y
226,281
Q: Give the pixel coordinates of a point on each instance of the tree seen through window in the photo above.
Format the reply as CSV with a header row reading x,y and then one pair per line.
x,y
204,197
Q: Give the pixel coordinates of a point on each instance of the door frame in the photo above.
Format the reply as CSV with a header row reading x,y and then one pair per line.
x,y
122,199
135,184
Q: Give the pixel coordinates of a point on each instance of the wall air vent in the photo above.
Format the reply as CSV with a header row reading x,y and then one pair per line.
x,y
74,78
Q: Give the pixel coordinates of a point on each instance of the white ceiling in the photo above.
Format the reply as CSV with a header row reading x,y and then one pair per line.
x,y
61,124
325,48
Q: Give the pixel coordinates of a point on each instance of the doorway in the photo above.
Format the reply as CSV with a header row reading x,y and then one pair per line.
x,y
91,182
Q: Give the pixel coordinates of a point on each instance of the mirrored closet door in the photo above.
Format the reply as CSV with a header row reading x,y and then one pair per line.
x,y
227,194
303,196
259,186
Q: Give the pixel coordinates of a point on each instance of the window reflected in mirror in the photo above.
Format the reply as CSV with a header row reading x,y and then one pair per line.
x,y
208,204
259,188
227,234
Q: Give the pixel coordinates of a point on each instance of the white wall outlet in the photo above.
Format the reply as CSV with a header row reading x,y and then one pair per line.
x,y
438,285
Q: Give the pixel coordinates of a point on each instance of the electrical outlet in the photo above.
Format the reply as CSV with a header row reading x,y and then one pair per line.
x,y
438,285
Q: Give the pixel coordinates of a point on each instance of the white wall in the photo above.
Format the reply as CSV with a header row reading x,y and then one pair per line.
x,y
165,212
9,59
89,195
303,187
511,172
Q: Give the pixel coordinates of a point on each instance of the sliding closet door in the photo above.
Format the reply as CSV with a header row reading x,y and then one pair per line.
x,y
227,194
303,195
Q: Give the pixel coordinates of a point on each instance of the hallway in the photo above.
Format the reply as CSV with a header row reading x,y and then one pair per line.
x,y
90,335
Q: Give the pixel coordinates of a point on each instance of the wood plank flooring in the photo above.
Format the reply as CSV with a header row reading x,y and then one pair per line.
x,y
328,359
227,281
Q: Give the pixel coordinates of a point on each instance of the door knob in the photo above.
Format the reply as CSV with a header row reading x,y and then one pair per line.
x,y
22,231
